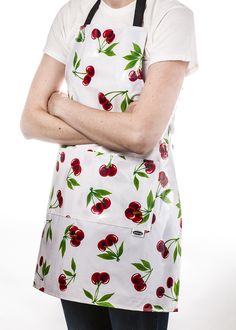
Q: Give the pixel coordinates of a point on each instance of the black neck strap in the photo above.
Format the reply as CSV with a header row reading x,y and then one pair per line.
x,y
138,14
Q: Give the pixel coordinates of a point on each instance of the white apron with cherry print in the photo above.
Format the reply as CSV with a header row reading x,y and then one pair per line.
x,y
112,235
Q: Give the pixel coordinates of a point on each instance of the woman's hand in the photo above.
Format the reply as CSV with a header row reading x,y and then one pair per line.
x,y
54,102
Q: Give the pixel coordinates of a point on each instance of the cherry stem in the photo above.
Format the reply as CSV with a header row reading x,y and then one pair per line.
x,y
39,276
75,73
149,273
169,297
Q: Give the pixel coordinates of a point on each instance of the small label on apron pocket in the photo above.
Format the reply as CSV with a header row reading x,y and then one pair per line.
x,y
137,232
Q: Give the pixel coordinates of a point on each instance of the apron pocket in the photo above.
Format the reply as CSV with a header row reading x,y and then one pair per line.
x,y
97,185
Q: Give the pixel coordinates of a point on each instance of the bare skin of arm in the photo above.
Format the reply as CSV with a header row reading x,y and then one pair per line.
x,y
137,130
36,122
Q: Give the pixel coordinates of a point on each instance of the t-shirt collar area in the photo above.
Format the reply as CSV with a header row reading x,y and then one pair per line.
x,y
116,11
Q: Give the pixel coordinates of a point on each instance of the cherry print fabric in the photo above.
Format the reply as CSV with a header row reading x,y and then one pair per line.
x,y
112,234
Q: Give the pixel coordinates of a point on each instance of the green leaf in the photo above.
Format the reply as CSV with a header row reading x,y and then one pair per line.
x,y
75,59
77,64
67,228
179,248
137,48
146,263
73,265
121,249
69,184
43,268
111,46
130,65
135,54
88,294
144,175
105,304
102,192
164,194
106,256
89,197
145,218
63,247
105,297
139,266
130,57
123,105
176,289
136,182
51,193
109,53
74,182
50,235
158,307
175,253
46,270
150,200
67,272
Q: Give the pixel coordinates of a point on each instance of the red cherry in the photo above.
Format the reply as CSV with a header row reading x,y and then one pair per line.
x,y
102,245
106,202
103,170
112,170
58,193
147,308
138,218
57,166
77,170
160,246
97,208
75,162
149,167
160,292
140,74
62,156
95,34
90,70
73,229
80,234
140,286
101,98
153,218
169,282
129,213
107,33
105,277
75,242
162,178
111,239
110,39
135,205
41,289
62,278
165,253
132,75
136,278
60,200
95,278
41,261
107,105
86,80
63,287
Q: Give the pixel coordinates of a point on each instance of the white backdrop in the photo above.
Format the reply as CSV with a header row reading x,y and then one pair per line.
x,y
204,142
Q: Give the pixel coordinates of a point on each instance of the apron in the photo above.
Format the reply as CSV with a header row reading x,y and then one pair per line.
x,y
113,220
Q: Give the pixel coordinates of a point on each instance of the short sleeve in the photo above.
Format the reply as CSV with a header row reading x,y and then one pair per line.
x,y
57,39
174,38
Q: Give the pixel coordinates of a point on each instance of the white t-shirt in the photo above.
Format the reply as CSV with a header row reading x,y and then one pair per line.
x,y
170,24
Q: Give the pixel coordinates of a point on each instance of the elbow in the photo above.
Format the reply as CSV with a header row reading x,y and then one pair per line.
x,y
142,143
25,127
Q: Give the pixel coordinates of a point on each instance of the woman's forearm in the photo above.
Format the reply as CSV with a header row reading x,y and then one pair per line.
x,y
114,130
41,125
